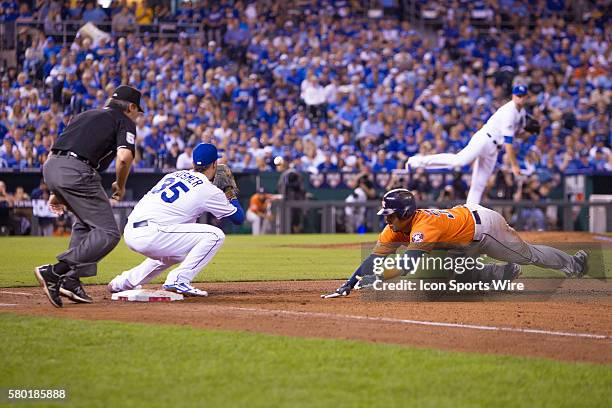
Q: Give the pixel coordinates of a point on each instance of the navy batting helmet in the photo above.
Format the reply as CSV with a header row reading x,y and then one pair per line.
x,y
399,201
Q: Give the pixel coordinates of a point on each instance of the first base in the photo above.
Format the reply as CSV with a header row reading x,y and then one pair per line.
x,y
146,295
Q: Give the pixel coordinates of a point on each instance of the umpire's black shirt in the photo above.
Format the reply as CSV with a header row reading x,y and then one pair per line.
x,y
96,135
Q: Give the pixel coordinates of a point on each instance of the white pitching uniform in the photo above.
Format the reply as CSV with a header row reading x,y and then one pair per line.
x,y
163,228
483,148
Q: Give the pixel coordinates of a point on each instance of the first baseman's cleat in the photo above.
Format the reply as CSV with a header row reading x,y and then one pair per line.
x,y
343,290
73,290
50,282
511,271
112,289
581,258
185,289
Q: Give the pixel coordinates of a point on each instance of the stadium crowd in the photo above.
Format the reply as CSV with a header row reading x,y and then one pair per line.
x,y
321,85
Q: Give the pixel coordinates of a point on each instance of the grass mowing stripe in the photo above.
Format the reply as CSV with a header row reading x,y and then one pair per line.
x,y
104,364
242,258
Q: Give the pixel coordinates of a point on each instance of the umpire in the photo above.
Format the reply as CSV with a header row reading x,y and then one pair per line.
x,y
87,147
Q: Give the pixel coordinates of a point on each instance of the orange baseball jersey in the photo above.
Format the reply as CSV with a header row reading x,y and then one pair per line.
x,y
429,227
259,202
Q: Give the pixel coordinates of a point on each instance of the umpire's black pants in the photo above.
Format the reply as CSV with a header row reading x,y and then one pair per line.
x,y
95,232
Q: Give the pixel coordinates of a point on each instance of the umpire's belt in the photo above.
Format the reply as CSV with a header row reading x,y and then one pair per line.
x,y
73,154
477,226
498,145
139,224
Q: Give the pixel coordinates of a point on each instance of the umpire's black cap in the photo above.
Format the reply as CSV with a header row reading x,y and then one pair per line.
x,y
399,201
128,94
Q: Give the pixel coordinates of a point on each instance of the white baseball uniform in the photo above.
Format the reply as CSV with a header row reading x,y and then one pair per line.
x,y
484,146
163,227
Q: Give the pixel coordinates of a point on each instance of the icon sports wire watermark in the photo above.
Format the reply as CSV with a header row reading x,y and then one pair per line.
x,y
452,285
457,274
465,273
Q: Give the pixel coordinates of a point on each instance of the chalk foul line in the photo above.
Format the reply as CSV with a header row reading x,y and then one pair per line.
x,y
6,292
417,322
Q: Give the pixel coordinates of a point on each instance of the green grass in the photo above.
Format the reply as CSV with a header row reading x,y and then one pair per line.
x,y
242,258
109,364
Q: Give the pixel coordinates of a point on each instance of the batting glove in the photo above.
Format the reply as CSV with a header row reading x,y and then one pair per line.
x,y
343,290
366,282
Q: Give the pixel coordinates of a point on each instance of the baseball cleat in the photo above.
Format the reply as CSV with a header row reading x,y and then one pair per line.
x,y
511,271
185,289
50,282
73,290
581,258
112,288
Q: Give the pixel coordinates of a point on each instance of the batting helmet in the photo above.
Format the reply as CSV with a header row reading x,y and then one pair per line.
x,y
399,201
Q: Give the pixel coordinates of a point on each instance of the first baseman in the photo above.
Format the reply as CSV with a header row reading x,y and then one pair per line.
x,y
163,225
470,228
483,148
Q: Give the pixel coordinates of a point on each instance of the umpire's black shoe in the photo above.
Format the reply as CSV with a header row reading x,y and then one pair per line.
x,y
50,282
73,290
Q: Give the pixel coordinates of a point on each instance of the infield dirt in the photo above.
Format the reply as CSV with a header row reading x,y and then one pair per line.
x,y
294,308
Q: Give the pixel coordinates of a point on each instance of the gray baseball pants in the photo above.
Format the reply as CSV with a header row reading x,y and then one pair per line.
x,y
500,241
95,232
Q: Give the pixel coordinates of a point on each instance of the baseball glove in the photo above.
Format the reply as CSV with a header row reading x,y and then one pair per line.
x,y
532,125
224,179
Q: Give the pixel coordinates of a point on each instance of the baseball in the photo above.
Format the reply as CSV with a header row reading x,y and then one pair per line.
x,y
278,161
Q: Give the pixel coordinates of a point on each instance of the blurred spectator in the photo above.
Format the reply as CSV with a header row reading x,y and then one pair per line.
x,y
355,217
328,164
53,22
383,164
335,92
314,98
8,224
93,13
43,215
502,186
172,156
291,188
144,13
530,218
21,213
236,38
124,21
455,190
61,227
420,185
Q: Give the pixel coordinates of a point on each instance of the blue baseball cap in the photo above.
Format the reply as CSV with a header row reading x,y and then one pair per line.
x,y
519,90
204,154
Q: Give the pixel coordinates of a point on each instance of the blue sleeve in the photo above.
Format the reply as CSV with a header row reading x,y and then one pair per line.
x,y
237,217
508,139
367,266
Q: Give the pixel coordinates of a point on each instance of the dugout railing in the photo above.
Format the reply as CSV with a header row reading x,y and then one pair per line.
x,y
327,216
